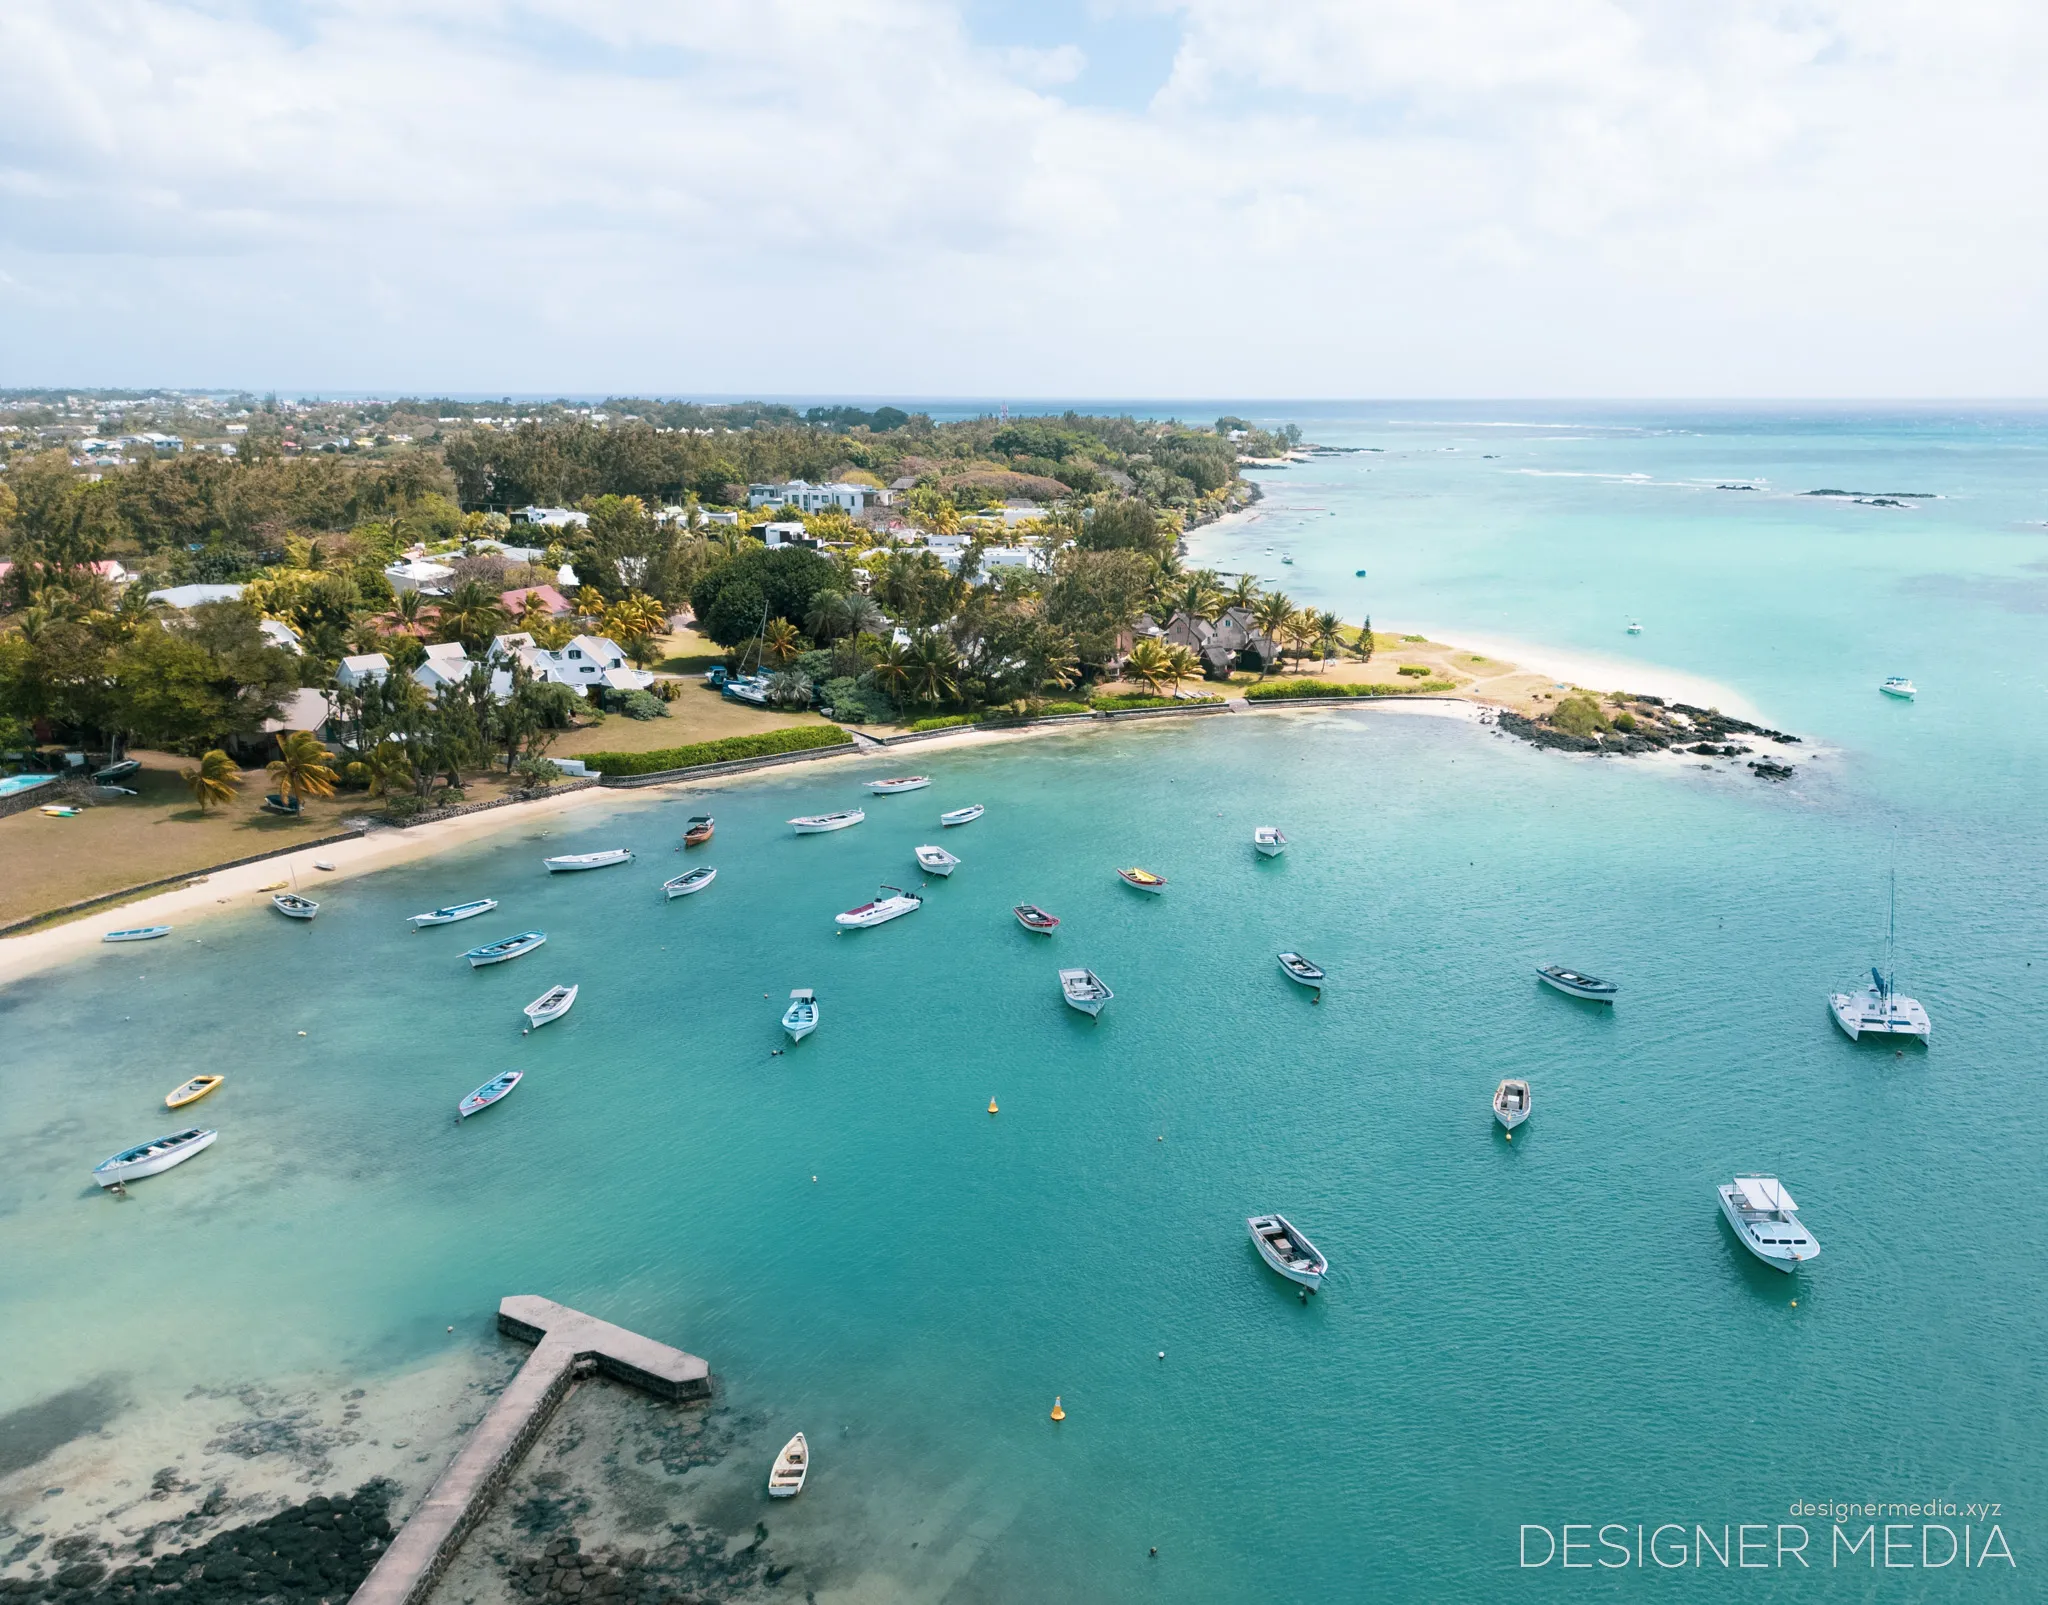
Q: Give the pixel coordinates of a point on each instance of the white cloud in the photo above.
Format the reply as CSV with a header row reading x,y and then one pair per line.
x,y
1372,197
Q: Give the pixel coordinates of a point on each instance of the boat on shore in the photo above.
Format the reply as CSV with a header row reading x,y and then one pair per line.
x,y
1878,1010
936,860
816,824
1142,880
962,816
694,881
1084,990
1270,840
879,910
1300,971
453,912
192,1091
1767,1220
294,907
489,1093
697,831
510,948
889,787
552,1004
800,1019
1511,1103
568,863
1576,983
1899,686
152,1158
140,933
1287,1251
792,1466
1034,918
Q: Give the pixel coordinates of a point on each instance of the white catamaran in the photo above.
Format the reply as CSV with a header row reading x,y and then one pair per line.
x,y
1878,1010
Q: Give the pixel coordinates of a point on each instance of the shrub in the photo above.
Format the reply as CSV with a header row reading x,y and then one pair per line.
x,y
795,738
537,774
947,722
1578,715
1281,690
1118,704
402,805
1054,709
642,705
1624,721
1415,638
1420,671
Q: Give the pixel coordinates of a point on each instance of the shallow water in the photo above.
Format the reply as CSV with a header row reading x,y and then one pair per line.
x,y
1558,1329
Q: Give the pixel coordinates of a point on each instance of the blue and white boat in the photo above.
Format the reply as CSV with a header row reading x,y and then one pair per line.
x,y
800,1019
489,1093
510,948
294,907
1576,983
140,933
153,1157
1287,1251
552,1004
1899,686
453,912
692,881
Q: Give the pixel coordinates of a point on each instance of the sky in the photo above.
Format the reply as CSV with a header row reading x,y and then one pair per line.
x,y
1326,198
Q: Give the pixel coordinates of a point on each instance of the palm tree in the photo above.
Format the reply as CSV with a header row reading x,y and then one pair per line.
x,y
1272,613
1301,632
409,610
388,766
1243,592
1148,664
216,780
1328,636
363,635
1195,595
781,641
826,618
933,663
892,670
1182,664
472,615
303,768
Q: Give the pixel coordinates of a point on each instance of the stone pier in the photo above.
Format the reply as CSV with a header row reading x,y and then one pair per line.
x,y
567,1344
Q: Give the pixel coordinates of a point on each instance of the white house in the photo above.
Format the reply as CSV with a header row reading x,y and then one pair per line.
x,y
447,665
419,574
808,498
191,596
549,517
365,668
518,554
587,660
789,533
279,633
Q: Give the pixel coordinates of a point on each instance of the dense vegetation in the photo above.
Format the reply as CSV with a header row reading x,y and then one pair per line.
x,y
797,738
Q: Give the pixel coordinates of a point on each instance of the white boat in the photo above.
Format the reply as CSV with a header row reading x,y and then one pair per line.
x,y
1511,1103
885,788
786,1476
800,1019
1299,969
147,1159
452,913
1142,880
1287,1251
1878,1010
936,860
1576,983
962,816
552,1004
1634,628
489,1093
813,824
1766,1219
575,861
1899,686
294,907
510,948
880,910
683,885
141,933
752,688
1034,918
1084,990
1270,840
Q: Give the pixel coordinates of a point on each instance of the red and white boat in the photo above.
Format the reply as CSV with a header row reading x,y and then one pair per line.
x,y
1034,918
880,911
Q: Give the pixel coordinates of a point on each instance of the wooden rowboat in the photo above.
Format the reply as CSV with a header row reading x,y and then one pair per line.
x,y
192,1091
792,1466
489,1093
1034,918
1142,880
698,831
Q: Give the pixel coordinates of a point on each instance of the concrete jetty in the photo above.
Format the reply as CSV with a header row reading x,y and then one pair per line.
x,y
567,1344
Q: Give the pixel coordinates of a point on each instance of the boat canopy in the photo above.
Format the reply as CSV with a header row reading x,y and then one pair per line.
x,y
1765,1193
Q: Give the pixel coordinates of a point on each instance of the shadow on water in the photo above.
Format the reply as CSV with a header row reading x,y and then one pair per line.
x,y
36,1430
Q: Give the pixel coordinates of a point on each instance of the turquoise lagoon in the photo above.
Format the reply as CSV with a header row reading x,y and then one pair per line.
x,y
1555,1330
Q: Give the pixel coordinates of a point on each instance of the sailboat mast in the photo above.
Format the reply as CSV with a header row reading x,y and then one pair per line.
x,y
1891,932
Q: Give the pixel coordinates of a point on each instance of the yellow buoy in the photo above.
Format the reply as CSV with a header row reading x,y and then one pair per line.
x,y
1057,1413
1795,1304
992,1106
1511,1136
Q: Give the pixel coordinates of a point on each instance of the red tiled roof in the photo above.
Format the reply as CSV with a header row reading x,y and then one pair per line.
x,y
551,599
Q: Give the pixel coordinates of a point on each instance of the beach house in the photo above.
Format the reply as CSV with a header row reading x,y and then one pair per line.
x,y
1231,640
808,498
447,665
365,668
585,661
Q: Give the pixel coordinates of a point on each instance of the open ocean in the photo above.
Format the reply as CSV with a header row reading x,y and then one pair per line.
x,y
1556,1330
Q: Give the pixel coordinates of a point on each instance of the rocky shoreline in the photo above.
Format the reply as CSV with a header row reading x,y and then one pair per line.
x,y
1627,724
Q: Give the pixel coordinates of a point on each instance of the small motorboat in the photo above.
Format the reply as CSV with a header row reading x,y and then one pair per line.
x,y
1034,918
1899,686
1270,840
1299,969
1634,628
936,861
1358,574
1511,1103
880,910
453,912
786,1476
140,933
885,788
192,1091
510,948
574,861
294,907
816,824
695,881
1288,560
1576,984
489,1093
116,771
152,1158
698,830
1767,1221
552,1004
1142,879
800,1019
1287,1251
962,816
1084,990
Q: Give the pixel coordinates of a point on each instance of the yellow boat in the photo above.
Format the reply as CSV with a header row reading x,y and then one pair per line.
x,y
1143,879
192,1091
